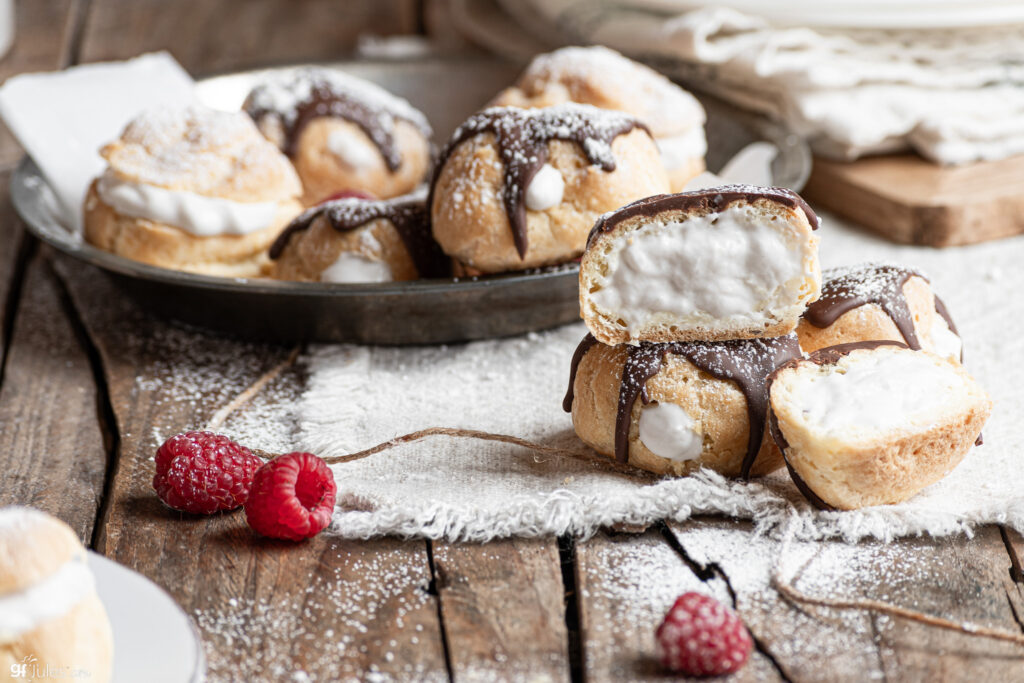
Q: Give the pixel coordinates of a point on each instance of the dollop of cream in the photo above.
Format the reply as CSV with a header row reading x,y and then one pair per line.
x,y
680,150
353,268
668,431
944,340
545,189
350,150
874,393
194,213
51,598
729,266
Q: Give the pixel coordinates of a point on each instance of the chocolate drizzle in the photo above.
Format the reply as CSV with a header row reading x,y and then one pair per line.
x,y
747,362
872,283
713,199
330,94
522,135
408,214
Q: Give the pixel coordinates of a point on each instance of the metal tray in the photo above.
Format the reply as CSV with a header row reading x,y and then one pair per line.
x,y
418,312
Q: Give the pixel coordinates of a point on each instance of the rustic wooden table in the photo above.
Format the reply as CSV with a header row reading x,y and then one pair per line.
x,y
89,382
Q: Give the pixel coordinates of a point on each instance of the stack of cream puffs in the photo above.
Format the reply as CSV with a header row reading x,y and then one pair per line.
x,y
52,624
701,307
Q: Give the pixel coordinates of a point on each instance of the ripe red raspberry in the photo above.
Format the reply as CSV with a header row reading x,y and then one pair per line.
x,y
292,497
702,637
203,472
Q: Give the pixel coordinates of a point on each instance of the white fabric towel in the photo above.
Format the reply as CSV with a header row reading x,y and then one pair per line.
x,y
473,490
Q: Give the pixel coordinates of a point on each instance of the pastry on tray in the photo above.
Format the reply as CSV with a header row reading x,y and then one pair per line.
x,y
192,189
873,423
520,188
732,262
343,133
672,408
51,619
875,301
603,78
356,239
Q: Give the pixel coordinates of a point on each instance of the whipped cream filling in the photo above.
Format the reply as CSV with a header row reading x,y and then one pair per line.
x,y
350,150
668,431
194,213
875,393
944,340
680,150
51,598
726,267
545,189
351,267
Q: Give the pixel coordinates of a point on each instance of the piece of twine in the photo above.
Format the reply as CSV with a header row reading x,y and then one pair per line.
x,y
788,591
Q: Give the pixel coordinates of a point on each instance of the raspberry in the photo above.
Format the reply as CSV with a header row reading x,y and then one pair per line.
x,y
702,637
292,497
203,472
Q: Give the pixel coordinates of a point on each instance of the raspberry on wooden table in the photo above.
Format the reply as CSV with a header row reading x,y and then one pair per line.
x,y
702,637
203,472
292,497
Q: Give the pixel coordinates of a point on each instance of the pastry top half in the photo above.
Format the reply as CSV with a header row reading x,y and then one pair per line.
x,y
876,301
33,547
519,188
604,78
343,133
356,239
873,423
732,262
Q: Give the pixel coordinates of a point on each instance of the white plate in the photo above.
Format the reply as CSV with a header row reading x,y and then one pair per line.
x,y
154,640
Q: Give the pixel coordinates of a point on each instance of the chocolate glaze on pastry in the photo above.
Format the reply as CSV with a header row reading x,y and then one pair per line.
x,y
334,97
522,136
747,362
408,214
825,356
871,283
713,199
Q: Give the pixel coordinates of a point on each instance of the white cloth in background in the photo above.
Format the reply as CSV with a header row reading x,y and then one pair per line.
x,y
473,490
954,96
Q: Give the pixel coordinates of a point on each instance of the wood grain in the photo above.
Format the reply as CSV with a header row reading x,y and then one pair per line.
x,y
52,453
327,608
956,578
12,259
210,36
503,610
42,42
626,585
912,201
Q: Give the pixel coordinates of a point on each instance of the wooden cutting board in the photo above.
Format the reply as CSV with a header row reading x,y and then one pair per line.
x,y
912,201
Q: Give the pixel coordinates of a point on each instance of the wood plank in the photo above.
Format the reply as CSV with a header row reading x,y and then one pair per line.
x,y
324,609
912,201
42,41
209,36
12,258
503,610
52,452
956,578
626,585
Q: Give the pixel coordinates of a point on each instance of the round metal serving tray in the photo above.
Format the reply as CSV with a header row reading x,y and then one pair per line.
x,y
418,312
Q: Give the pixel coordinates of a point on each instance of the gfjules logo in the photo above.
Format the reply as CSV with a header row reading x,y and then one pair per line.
x,y
30,669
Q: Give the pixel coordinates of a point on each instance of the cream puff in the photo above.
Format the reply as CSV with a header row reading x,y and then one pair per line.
x,y
876,301
192,189
873,423
355,239
702,404
731,262
343,133
519,188
604,78
52,623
